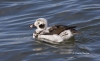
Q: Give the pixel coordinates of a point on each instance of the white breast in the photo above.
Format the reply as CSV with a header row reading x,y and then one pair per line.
x,y
50,38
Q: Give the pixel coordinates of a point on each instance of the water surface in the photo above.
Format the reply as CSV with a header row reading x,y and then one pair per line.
x,y
17,44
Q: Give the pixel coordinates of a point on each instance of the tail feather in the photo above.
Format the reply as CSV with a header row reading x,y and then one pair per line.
x,y
71,27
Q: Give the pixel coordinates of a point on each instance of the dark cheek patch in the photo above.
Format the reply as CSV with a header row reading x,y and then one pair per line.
x,y
42,25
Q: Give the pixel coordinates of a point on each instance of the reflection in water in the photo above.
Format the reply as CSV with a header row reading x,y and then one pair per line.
x,y
66,47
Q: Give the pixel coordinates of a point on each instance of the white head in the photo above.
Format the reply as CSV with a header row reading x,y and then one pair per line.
x,y
40,23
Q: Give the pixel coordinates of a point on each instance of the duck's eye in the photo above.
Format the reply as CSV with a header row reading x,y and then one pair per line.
x,y
38,23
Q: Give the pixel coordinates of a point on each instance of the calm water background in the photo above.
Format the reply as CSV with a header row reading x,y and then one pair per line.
x,y
17,44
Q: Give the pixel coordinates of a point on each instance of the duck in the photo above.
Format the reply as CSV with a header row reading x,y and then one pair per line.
x,y
53,34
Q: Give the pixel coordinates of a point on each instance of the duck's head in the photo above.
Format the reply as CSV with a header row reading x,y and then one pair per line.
x,y
40,23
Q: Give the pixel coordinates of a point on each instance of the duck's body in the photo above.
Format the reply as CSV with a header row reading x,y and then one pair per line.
x,y
53,34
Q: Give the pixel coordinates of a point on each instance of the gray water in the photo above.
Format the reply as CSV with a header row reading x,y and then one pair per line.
x,y
17,44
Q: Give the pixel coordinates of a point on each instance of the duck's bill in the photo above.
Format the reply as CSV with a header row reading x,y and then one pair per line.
x,y
32,26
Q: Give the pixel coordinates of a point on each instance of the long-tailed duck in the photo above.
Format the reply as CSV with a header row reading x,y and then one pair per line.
x,y
53,34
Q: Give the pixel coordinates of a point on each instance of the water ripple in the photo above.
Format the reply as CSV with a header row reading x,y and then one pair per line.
x,y
16,42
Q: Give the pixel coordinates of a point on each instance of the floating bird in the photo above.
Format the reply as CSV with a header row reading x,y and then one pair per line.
x,y
54,34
